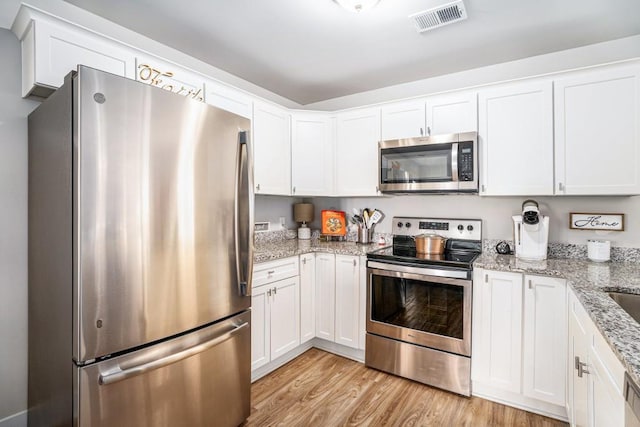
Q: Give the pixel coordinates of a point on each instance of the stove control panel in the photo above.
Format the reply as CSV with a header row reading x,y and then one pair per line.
x,y
466,229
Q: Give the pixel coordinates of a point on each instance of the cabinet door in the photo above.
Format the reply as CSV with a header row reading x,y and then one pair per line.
x,y
363,302
272,149
347,323
597,131
452,113
357,136
516,140
311,155
50,51
578,385
403,120
260,327
285,316
307,297
497,318
325,296
545,339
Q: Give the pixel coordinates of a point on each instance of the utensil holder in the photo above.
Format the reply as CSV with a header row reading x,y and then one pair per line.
x,y
365,235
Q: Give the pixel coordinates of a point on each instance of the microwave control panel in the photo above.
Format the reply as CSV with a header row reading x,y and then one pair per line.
x,y
465,161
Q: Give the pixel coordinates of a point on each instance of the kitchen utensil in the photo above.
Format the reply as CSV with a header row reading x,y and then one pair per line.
x,y
430,244
365,216
375,217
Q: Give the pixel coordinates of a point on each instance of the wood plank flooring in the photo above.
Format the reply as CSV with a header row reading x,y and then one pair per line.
x,y
322,389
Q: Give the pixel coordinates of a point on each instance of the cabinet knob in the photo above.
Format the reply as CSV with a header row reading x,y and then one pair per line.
x,y
354,262
530,284
268,292
294,190
483,188
428,130
270,272
304,261
421,132
486,278
560,187
258,187
275,291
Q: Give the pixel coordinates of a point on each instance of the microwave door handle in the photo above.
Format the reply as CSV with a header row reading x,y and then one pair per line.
x,y
454,162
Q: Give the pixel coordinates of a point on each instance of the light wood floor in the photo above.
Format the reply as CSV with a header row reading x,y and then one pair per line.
x,y
322,389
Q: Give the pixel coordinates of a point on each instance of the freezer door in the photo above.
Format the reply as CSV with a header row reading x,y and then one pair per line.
x,y
157,178
199,379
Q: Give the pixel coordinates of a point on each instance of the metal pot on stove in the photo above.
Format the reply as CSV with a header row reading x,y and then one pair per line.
x,y
430,244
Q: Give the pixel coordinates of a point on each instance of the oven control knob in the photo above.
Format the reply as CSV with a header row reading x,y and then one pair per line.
x,y
470,227
399,225
460,227
408,224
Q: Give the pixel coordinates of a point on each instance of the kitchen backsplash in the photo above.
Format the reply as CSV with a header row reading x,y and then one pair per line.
x,y
572,251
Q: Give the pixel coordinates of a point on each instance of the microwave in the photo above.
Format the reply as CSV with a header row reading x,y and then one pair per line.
x,y
438,164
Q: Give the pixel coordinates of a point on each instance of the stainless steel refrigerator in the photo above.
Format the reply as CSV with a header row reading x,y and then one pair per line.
x,y
140,258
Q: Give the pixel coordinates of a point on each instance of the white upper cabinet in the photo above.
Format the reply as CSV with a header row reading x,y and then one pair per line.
x,y
516,139
272,149
50,51
357,136
403,120
229,99
311,155
436,115
597,131
452,113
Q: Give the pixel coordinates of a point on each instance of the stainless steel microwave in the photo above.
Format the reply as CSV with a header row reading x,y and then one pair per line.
x,y
439,164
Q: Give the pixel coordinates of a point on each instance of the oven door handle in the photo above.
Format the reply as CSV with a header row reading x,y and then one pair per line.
x,y
453,277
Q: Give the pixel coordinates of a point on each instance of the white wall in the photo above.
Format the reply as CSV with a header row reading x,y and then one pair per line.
x,y
271,208
13,230
496,213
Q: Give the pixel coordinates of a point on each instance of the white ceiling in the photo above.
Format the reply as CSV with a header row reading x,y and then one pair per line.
x,y
312,50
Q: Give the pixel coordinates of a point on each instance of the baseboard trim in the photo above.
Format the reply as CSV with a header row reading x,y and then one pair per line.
x,y
15,420
339,349
518,401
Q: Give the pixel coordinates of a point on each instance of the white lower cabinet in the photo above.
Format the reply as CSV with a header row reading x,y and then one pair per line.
x,y
347,320
338,299
307,297
596,376
275,315
325,296
519,340
545,339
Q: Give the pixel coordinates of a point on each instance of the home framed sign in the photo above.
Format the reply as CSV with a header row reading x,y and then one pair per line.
x,y
596,221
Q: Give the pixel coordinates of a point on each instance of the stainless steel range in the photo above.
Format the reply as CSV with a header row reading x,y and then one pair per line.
x,y
419,305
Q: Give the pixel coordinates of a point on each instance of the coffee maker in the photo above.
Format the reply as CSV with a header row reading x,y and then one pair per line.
x,y
531,232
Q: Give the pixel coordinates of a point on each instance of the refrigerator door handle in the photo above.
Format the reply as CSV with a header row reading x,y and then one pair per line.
x,y
243,222
123,374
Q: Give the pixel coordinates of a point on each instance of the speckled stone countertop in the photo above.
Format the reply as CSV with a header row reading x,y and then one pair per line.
x,y
590,281
267,251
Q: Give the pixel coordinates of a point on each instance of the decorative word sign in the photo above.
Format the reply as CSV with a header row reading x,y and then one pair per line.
x,y
165,80
596,221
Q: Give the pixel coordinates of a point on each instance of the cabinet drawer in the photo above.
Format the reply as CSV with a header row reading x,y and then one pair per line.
x,y
271,271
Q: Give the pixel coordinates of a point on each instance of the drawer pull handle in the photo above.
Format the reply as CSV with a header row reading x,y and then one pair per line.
x,y
270,272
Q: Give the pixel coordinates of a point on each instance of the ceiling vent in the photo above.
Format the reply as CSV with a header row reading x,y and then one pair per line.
x,y
439,16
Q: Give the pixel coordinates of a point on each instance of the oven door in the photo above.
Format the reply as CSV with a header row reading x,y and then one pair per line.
x,y
418,305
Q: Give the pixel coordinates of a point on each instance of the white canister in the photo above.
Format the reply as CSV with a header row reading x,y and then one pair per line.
x,y
599,250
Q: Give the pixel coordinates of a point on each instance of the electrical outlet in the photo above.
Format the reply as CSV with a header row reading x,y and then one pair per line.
x,y
283,222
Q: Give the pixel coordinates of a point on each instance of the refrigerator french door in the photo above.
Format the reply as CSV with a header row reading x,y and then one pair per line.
x,y
140,257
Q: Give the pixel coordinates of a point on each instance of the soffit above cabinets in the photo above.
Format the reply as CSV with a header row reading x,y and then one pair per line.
x,y
310,51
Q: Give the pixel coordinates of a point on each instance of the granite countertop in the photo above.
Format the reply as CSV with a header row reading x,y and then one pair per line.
x,y
590,281
267,251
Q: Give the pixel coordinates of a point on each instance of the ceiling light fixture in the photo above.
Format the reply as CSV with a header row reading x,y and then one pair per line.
x,y
357,5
